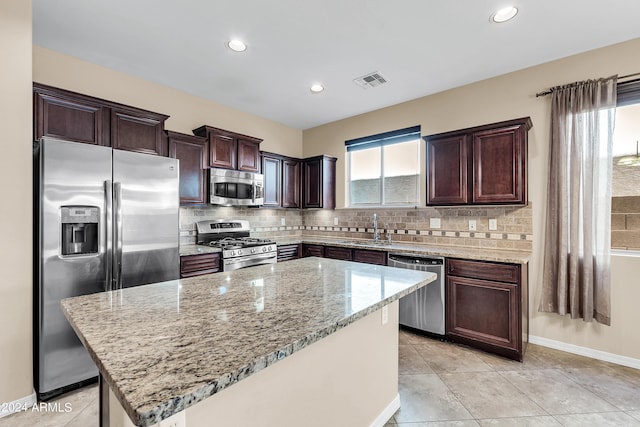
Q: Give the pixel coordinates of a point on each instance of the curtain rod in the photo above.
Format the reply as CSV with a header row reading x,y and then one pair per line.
x,y
550,91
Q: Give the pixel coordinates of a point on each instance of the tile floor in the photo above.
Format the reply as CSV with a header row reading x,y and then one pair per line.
x,y
443,384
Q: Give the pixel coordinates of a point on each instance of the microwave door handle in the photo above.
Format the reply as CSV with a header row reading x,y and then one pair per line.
x,y
108,221
253,192
117,231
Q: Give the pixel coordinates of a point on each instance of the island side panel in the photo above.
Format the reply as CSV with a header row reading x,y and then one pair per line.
x,y
347,378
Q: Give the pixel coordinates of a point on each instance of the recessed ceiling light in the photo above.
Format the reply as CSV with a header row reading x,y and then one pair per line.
x,y
237,45
316,88
503,15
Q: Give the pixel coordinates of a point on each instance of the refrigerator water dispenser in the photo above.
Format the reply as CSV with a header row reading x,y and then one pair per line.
x,y
79,230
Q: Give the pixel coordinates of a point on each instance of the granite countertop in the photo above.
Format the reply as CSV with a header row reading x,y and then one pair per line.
x,y
193,249
166,346
480,254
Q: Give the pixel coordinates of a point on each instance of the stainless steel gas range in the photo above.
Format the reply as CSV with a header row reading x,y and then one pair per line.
x,y
238,249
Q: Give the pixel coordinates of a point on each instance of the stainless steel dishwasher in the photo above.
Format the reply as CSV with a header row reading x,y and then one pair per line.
x,y
424,308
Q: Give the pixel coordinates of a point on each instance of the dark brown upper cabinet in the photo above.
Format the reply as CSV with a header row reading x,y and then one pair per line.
x,y
481,165
193,153
282,180
137,130
291,183
319,178
71,116
230,150
272,171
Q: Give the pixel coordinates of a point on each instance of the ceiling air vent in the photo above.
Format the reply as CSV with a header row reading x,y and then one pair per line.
x,y
370,80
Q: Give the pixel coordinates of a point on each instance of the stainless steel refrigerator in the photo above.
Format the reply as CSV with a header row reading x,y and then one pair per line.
x,y
104,220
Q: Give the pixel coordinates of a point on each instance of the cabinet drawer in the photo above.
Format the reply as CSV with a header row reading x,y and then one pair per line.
x,y
312,250
370,257
195,265
508,273
338,253
288,252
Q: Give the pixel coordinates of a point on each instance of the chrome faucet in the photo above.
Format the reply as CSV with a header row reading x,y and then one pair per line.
x,y
376,233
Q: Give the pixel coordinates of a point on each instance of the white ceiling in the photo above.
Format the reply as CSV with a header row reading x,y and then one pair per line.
x,y
420,46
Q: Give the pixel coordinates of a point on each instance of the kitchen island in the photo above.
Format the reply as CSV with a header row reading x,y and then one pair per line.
x,y
201,345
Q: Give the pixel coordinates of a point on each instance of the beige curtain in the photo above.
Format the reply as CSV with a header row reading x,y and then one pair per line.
x,y
576,279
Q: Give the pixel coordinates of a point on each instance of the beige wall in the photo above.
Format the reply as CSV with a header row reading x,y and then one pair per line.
x,y
502,98
187,111
15,174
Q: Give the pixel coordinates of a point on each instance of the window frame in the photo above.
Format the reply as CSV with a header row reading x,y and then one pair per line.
x,y
628,93
381,141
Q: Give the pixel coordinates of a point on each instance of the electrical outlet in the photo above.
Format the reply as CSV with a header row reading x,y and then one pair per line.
x,y
335,221
493,224
176,420
283,221
472,225
385,314
434,223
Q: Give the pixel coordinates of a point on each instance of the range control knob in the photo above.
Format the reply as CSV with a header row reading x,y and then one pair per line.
x,y
269,248
239,252
233,253
253,250
264,249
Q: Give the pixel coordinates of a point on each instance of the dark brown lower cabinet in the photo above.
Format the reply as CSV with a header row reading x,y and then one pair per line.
x,y
370,257
312,250
336,252
487,306
197,265
289,252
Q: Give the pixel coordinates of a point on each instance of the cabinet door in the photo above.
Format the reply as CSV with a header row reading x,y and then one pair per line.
x,y
271,169
499,174
222,151
447,166
69,116
338,253
138,130
290,183
484,314
193,153
319,175
312,250
313,183
248,155
197,265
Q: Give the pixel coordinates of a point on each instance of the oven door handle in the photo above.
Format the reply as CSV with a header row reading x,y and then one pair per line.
x,y
251,260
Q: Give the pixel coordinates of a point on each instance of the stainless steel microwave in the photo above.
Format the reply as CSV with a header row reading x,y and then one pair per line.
x,y
235,188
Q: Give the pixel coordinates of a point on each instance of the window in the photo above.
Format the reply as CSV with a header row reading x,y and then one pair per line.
x,y
384,169
625,191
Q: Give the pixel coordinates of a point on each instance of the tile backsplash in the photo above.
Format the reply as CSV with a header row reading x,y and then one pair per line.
x,y
514,224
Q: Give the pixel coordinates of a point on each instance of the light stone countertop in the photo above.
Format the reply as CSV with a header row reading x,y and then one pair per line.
x,y
480,254
166,346
193,249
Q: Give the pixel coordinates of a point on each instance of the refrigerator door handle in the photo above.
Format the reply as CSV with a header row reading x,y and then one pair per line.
x,y
108,220
117,231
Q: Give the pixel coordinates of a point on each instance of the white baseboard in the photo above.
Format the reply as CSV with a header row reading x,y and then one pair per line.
x,y
387,413
19,405
586,351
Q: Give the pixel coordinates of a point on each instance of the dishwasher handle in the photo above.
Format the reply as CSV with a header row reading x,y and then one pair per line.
x,y
408,259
